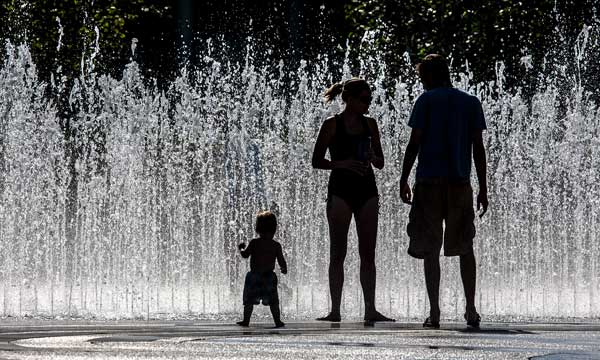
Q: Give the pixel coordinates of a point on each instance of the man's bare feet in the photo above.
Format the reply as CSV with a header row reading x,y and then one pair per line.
x,y
331,317
434,315
431,324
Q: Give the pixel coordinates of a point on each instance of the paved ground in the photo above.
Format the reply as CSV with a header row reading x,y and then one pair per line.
x,y
298,340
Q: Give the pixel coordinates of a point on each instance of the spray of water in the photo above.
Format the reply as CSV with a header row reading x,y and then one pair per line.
x,y
169,182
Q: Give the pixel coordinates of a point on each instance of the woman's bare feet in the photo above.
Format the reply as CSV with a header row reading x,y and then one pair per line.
x,y
375,316
473,319
331,317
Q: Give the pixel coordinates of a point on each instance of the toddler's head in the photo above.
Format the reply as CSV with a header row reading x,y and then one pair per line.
x,y
266,224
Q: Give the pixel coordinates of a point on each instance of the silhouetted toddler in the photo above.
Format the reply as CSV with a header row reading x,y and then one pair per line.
x,y
261,281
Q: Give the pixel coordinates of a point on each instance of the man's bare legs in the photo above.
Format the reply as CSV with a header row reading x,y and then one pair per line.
x,y
339,215
366,228
468,273
432,280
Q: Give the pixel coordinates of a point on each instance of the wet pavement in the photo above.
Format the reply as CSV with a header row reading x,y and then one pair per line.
x,y
298,340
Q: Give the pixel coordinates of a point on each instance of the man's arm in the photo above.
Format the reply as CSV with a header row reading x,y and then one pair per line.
x,y
481,168
410,156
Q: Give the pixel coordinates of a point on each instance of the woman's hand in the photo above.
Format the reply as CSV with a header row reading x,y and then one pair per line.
x,y
374,159
358,167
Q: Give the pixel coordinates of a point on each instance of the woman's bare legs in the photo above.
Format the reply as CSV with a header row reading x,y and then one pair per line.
x,y
247,313
339,215
366,227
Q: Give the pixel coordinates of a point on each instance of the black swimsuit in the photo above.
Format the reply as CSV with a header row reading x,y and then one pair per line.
x,y
346,184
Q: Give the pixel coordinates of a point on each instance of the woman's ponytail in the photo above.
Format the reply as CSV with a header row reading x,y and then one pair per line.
x,y
333,91
350,87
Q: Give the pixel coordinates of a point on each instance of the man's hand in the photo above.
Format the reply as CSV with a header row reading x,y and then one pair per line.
x,y
405,193
242,246
410,155
482,203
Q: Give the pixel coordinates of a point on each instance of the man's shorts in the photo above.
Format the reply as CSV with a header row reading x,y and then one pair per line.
x,y
435,204
260,287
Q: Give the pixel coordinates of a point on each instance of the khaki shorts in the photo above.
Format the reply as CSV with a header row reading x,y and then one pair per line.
x,y
437,204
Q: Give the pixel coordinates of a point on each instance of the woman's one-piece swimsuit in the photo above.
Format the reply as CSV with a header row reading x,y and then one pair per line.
x,y
353,188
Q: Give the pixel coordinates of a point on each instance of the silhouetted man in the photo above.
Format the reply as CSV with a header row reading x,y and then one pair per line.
x,y
447,127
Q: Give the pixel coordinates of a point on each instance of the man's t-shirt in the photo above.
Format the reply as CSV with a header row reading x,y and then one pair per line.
x,y
448,118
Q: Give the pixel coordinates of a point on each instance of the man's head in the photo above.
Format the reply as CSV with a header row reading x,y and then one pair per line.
x,y
433,71
266,223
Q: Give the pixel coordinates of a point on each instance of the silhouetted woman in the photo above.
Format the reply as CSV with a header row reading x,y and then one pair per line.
x,y
354,144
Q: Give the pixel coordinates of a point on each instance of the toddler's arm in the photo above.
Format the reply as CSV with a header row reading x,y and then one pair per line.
x,y
281,260
245,251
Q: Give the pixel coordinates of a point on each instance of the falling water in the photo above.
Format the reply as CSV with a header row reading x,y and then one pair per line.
x,y
169,182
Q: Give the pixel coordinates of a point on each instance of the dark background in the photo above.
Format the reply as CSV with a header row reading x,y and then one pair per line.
x,y
173,33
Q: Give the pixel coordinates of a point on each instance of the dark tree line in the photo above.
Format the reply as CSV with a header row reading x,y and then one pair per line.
x,y
171,34
478,32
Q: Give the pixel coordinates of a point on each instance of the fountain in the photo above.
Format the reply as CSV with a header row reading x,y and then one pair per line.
x,y
169,182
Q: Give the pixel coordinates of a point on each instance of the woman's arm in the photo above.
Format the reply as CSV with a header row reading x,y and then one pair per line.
x,y
377,159
323,140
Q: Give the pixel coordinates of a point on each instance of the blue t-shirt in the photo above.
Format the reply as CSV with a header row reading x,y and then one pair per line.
x,y
448,117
